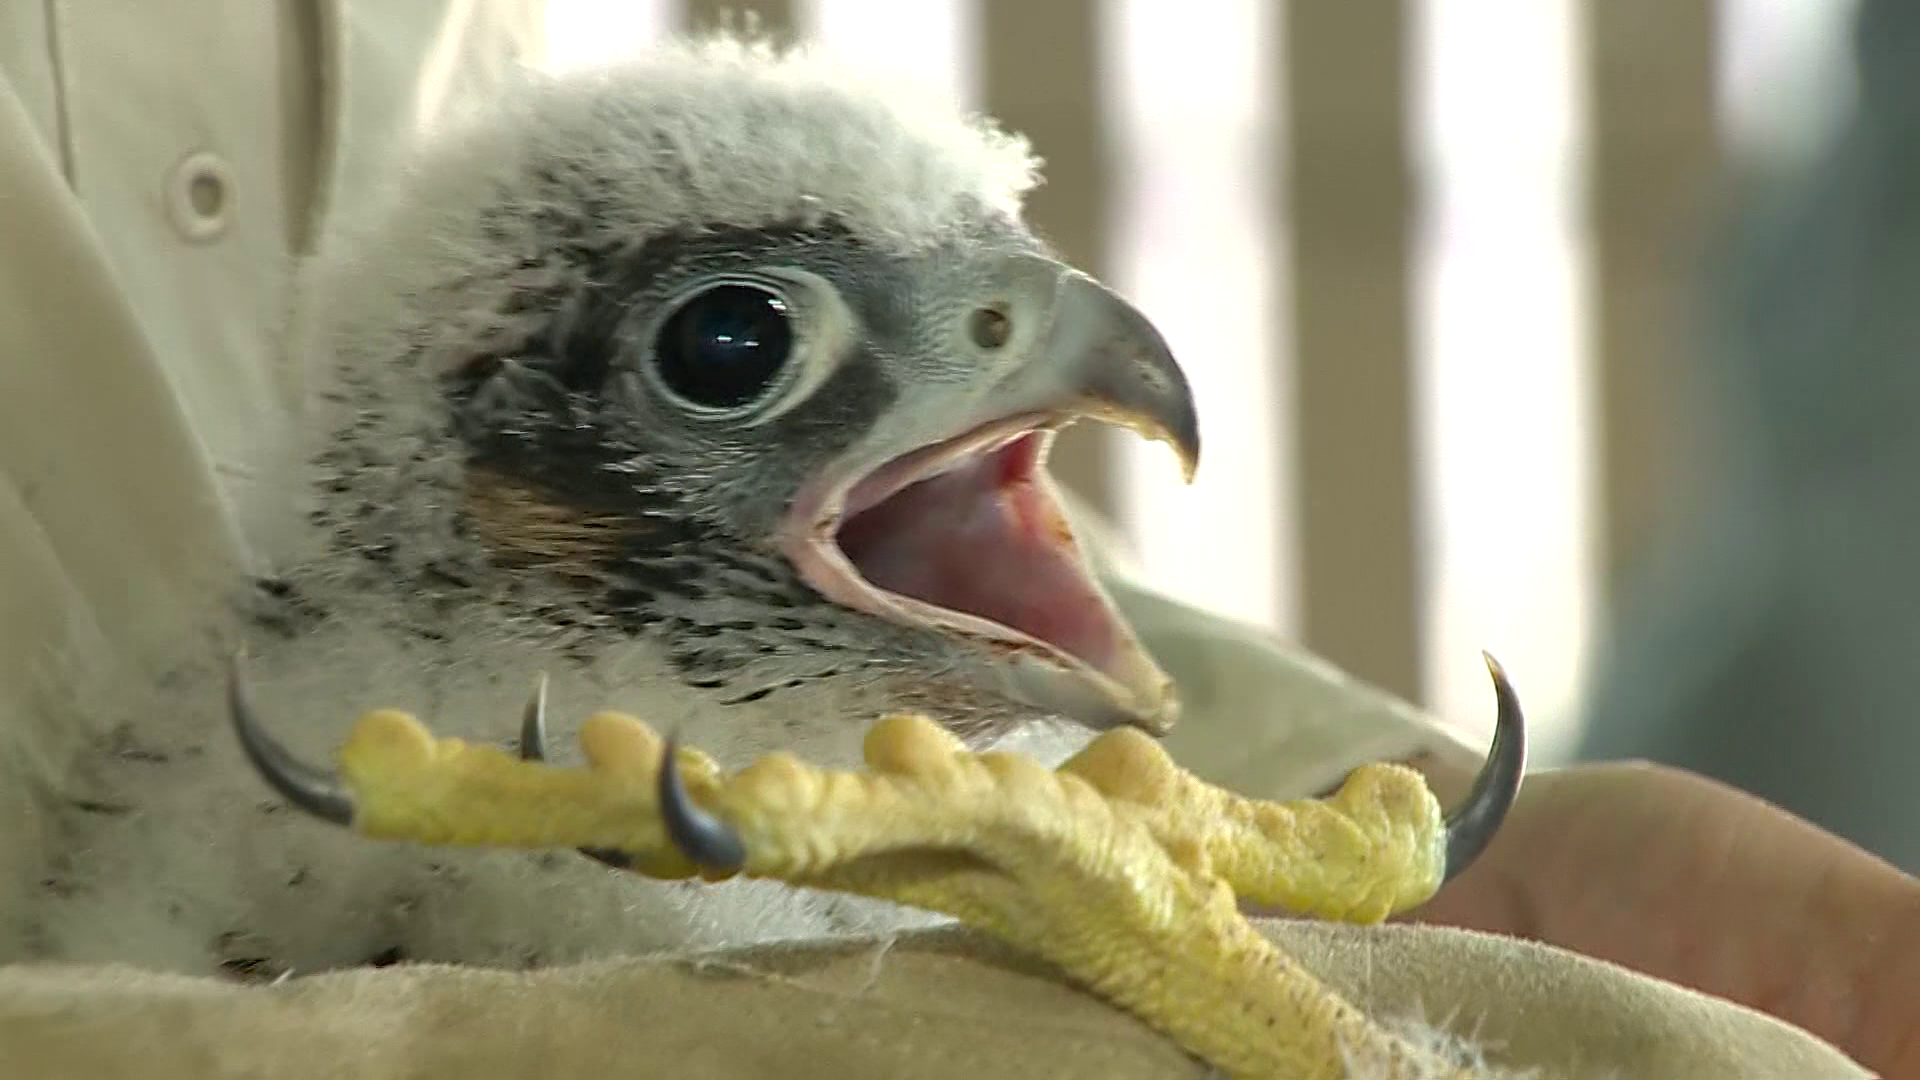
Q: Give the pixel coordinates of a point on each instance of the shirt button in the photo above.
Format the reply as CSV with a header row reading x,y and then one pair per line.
x,y
200,196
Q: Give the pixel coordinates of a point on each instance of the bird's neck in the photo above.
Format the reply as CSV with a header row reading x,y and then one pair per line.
x,y
705,662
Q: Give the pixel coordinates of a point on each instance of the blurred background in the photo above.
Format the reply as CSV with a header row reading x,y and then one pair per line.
x,y
1438,271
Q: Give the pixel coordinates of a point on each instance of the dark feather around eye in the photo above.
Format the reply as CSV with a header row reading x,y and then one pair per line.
x,y
504,392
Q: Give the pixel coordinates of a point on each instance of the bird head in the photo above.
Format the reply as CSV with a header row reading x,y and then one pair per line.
x,y
750,359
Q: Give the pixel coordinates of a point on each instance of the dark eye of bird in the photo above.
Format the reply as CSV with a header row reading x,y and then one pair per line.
x,y
724,347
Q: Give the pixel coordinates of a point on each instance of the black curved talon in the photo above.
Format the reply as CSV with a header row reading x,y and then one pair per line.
x,y
700,836
533,723
315,790
533,747
1472,824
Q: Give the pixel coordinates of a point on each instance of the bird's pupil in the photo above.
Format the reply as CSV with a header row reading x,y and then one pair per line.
x,y
724,347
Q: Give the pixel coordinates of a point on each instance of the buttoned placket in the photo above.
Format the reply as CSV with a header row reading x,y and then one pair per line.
x,y
190,130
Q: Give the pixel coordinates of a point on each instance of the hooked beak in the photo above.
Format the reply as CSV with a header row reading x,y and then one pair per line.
x,y
1110,363
954,527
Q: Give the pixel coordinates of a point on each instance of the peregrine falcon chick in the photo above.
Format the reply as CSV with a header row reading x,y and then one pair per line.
x,y
717,387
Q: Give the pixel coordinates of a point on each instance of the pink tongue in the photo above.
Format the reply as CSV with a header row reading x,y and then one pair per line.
x,y
963,541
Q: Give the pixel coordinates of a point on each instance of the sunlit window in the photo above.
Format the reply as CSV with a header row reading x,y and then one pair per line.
x,y
583,33
1784,72
1503,393
1195,245
929,41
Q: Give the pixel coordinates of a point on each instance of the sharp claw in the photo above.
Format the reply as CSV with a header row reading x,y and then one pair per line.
x,y
700,836
1472,824
533,747
533,724
317,791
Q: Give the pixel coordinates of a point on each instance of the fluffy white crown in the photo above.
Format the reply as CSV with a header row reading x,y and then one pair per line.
x,y
717,132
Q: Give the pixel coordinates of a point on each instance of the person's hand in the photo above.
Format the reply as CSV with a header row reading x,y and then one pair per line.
x,y
1687,879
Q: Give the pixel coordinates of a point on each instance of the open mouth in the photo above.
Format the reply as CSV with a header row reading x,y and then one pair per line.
x,y
966,537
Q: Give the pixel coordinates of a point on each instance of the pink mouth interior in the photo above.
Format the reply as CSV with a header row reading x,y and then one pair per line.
x,y
986,539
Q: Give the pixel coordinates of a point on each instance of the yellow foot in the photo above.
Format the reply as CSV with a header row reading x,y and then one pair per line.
x,y
1119,868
